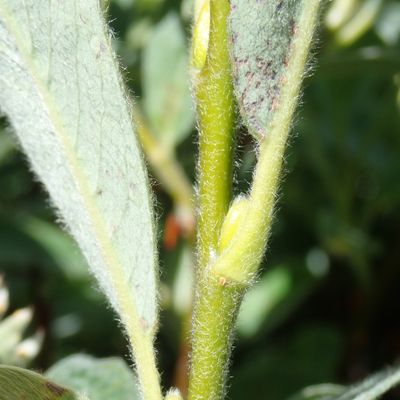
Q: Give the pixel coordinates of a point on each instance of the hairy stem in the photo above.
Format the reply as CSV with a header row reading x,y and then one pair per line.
x,y
215,314
216,116
214,303
224,276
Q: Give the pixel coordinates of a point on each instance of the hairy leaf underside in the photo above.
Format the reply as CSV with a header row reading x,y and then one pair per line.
x,y
261,34
61,90
99,379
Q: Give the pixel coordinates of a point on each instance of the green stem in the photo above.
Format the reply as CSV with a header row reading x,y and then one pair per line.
x,y
224,276
216,115
213,313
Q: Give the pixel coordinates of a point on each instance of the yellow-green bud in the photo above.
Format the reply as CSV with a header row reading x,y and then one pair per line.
x,y
201,33
232,222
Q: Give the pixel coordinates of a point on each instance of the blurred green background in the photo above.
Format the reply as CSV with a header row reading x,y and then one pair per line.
x,y
327,304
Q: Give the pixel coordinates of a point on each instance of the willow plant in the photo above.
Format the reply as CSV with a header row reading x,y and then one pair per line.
x,y
257,54
62,92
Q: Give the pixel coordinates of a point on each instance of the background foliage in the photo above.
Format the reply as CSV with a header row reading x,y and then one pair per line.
x,y
326,306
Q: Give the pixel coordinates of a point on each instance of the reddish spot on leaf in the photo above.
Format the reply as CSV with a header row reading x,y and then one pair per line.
x,y
55,389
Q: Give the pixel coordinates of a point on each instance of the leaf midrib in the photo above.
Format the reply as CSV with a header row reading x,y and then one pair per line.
x,y
91,209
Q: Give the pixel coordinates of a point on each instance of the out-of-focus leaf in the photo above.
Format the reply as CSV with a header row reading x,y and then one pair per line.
x,y
339,12
7,145
4,298
99,379
187,7
387,26
397,83
58,245
319,392
373,387
167,100
296,363
28,349
14,350
362,20
17,383
69,110
182,291
261,299
124,4
44,244
11,331
12,239
138,34
148,5
370,389
278,293
145,5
